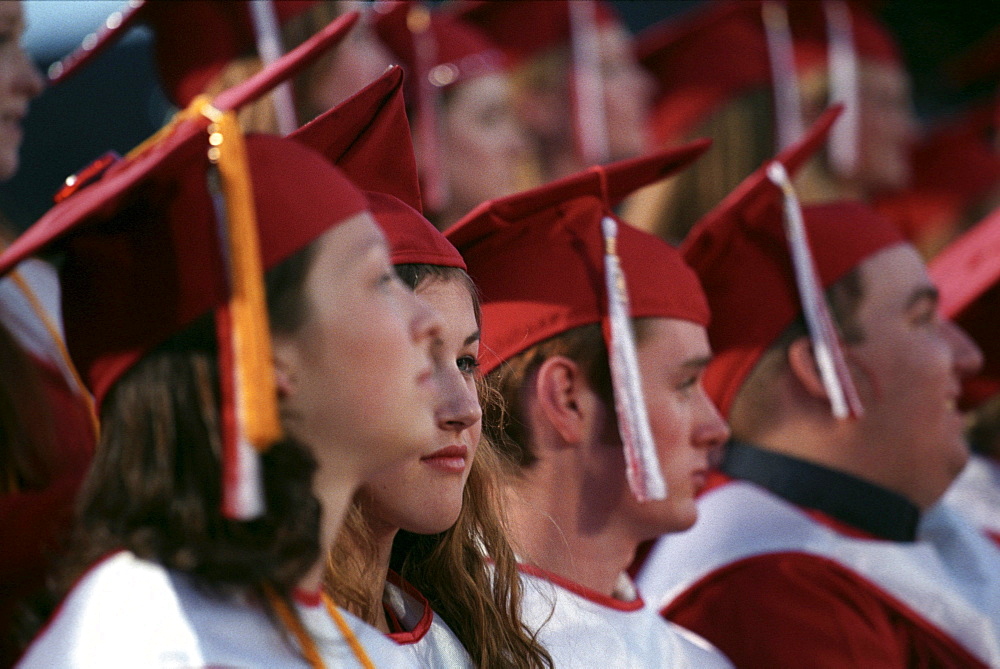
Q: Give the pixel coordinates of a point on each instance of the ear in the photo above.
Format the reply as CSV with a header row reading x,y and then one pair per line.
x,y
559,383
802,362
284,366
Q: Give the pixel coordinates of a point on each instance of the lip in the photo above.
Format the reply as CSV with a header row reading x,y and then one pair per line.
x,y
450,459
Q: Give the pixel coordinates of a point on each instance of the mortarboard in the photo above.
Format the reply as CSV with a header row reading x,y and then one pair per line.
x,y
742,254
556,258
193,41
437,50
766,43
182,227
967,274
368,137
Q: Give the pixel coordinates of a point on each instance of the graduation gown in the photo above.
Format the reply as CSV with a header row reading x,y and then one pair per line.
x,y
583,628
976,494
423,635
795,565
128,612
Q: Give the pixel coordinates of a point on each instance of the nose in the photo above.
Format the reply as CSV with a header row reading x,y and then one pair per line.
x,y
711,431
425,322
968,356
458,402
28,80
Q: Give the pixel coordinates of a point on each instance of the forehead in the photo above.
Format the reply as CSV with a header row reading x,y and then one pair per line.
x,y
450,297
891,279
673,340
10,12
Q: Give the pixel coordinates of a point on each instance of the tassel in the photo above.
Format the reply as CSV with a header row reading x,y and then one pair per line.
x,y
245,343
843,72
588,84
781,54
844,400
267,33
642,466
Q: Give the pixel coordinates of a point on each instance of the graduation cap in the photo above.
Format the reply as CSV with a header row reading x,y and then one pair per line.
x,y
184,226
967,274
763,261
556,258
368,137
193,41
765,43
530,27
437,50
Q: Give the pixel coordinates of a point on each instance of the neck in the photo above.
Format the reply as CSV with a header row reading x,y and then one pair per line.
x,y
334,491
558,533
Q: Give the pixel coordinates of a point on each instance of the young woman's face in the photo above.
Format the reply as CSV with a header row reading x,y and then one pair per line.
x,y
482,142
423,493
19,84
357,378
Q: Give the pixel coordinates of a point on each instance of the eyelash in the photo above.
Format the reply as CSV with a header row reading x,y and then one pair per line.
x,y
468,364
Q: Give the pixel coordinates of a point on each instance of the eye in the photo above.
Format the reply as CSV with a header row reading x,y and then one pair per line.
x,y
468,364
688,383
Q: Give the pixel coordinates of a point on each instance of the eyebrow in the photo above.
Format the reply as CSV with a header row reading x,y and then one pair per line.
x,y
923,293
697,363
473,338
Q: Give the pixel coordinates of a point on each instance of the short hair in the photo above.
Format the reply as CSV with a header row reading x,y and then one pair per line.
x,y
505,422
756,403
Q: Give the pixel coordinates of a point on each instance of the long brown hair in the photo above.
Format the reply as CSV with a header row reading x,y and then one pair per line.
x,y
480,603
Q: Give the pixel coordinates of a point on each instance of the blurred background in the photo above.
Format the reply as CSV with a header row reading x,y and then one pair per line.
x,y
116,103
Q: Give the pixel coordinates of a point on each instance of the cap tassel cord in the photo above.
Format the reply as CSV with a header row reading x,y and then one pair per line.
x,y
267,34
588,85
642,466
843,72
242,324
781,55
844,400
434,186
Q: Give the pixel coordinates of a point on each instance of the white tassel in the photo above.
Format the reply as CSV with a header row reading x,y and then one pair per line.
x,y
844,400
781,54
642,465
591,120
844,87
267,32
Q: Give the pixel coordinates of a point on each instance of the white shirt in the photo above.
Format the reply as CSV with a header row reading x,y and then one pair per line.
x,y
128,612
429,641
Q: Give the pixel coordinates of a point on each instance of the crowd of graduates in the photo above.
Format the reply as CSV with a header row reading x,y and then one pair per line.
x,y
488,334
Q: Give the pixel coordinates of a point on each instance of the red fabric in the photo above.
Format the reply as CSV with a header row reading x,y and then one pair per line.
x,y
792,610
743,238
538,257
368,137
684,55
524,29
193,41
401,635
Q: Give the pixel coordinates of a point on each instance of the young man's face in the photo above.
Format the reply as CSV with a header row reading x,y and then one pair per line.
x,y
685,424
909,368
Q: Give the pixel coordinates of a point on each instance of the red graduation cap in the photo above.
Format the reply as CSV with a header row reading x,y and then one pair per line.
x,y
720,51
194,41
437,50
556,258
741,252
145,254
967,272
368,137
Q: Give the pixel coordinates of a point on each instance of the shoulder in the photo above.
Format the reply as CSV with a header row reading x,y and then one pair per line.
x,y
827,615
123,611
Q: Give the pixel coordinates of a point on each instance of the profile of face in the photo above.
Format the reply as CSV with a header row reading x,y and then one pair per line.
x,y
482,142
887,127
356,379
686,425
628,94
423,494
909,369
20,82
